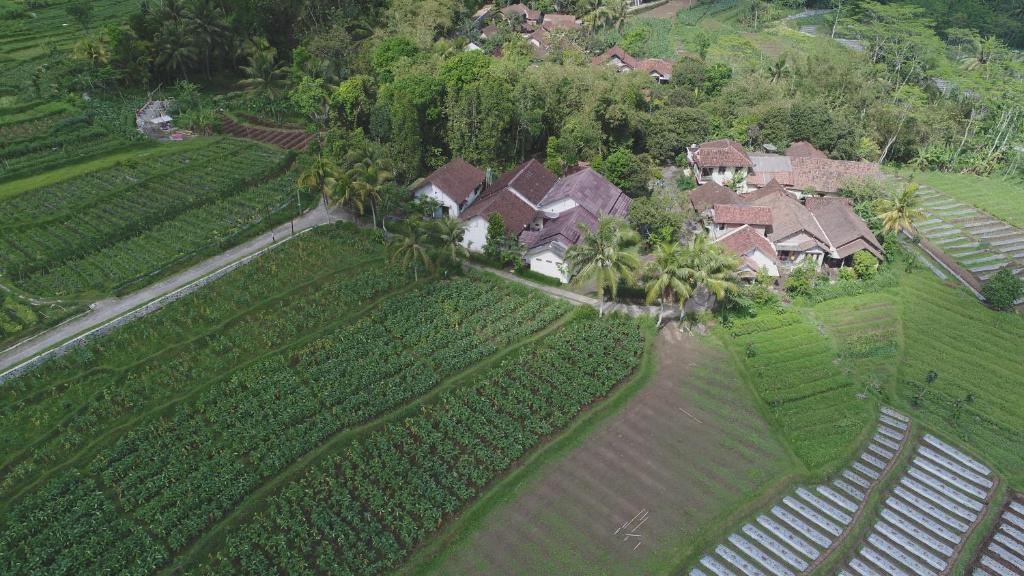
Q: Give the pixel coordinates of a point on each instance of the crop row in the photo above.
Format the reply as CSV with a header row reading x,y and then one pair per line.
x,y
793,369
59,530
251,426
71,143
62,200
155,249
137,209
363,510
61,404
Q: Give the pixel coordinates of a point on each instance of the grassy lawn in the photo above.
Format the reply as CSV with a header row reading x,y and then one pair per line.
x,y
1000,197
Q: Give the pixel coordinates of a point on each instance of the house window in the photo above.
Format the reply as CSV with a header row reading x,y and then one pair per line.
x,y
721,226
721,169
705,172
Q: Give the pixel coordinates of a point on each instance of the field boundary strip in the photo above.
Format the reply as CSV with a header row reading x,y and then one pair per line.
x,y
137,312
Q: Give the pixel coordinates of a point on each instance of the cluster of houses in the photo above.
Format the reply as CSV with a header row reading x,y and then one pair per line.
x,y
776,210
773,211
538,208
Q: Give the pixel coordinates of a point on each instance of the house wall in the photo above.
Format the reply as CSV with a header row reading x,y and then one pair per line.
x,y
431,191
476,234
764,261
719,230
723,178
548,263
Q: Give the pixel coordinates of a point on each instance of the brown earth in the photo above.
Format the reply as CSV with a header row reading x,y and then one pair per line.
x,y
669,9
685,450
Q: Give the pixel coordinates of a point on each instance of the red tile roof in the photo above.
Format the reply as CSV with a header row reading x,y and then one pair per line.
x,y
662,67
844,228
556,21
726,153
772,187
708,194
790,217
457,179
738,214
744,240
827,176
513,9
616,52
515,213
564,229
531,179
803,149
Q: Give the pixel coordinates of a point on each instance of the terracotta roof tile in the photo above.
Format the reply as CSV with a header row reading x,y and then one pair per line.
x,y
726,153
556,21
616,52
772,187
515,213
514,9
708,194
531,179
790,217
847,232
457,179
738,214
745,240
827,176
803,149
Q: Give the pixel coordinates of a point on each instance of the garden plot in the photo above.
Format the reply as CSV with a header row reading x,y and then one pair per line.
x,y
979,242
927,515
802,529
1004,553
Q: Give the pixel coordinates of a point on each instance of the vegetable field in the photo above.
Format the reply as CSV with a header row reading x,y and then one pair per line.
x,y
793,368
169,424
103,229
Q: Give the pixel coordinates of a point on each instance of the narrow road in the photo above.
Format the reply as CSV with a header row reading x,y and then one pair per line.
x,y
106,311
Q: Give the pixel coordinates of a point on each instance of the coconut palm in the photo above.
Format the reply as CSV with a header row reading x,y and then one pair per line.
x,y
364,179
713,267
778,70
668,275
413,248
450,233
264,73
92,49
175,50
209,27
899,210
321,176
607,14
604,256
985,51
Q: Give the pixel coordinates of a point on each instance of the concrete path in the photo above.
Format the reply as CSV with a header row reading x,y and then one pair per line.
x,y
634,310
106,311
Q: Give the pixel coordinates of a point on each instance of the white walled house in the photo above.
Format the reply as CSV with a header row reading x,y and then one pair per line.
x,y
453,186
726,218
720,161
756,252
515,195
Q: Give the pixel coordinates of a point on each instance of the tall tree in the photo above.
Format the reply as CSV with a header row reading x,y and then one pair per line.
x,y
321,176
900,209
412,248
713,267
175,48
209,26
450,233
604,256
668,275
264,73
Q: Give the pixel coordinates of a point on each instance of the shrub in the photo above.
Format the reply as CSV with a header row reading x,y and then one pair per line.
x,y
865,265
802,279
847,274
1002,290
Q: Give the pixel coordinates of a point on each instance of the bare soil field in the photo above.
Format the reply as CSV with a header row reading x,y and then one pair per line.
x,y
669,9
638,493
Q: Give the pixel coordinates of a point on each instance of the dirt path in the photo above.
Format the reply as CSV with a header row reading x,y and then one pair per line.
x,y
669,9
632,497
110,310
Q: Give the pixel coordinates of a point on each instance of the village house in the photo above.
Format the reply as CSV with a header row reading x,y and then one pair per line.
x,y
723,162
756,252
805,170
453,186
847,232
515,195
616,57
725,218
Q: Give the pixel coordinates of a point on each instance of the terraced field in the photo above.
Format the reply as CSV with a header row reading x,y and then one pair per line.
x,y
978,241
928,514
1003,554
806,526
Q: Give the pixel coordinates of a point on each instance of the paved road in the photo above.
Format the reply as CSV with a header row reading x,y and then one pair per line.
x,y
105,311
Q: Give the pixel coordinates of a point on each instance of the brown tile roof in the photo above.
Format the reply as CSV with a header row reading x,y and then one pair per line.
x,y
847,231
772,187
531,179
737,214
803,149
457,179
708,194
790,217
564,230
489,31
590,190
827,176
513,9
662,67
556,21
514,212
743,240
616,52
724,152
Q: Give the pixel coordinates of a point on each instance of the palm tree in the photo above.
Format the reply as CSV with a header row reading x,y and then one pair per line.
x,y
93,49
778,70
321,176
175,51
899,210
364,179
986,51
450,234
713,267
209,26
668,275
608,14
264,73
604,256
413,247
